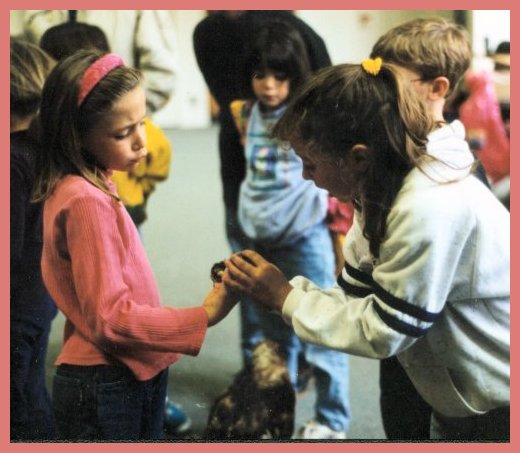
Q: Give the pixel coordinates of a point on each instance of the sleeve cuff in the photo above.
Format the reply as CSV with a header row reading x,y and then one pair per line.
x,y
291,304
195,326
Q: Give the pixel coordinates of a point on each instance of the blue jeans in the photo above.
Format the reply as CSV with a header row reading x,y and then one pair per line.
x,y
31,410
104,402
312,257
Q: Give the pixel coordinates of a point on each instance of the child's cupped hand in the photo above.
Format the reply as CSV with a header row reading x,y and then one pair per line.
x,y
250,274
219,302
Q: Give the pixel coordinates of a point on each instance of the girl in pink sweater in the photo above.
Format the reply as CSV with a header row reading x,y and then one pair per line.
x,y
111,376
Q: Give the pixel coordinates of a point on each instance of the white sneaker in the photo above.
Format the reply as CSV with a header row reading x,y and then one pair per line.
x,y
315,430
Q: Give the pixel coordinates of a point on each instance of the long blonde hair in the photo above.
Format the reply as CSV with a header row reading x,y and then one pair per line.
x,y
28,70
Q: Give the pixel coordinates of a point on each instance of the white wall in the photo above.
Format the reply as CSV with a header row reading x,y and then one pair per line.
x,y
350,35
189,106
491,25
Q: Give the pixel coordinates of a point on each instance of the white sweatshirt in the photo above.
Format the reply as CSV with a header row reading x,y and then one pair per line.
x,y
437,297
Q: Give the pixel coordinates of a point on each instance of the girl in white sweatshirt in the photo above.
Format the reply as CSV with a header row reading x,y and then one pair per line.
x,y
426,274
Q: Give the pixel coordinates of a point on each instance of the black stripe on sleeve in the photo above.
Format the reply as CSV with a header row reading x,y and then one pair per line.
x,y
353,290
398,325
404,307
390,300
361,276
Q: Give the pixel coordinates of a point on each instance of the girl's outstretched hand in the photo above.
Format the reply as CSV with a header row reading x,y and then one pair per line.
x,y
249,273
219,302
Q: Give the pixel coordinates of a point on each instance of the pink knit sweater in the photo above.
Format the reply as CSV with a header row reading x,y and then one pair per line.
x,y
97,272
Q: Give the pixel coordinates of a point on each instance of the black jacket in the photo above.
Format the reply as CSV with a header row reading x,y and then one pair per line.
x,y
29,299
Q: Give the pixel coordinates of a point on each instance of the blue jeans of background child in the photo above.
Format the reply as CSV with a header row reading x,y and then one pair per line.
x,y
312,257
104,402
31,410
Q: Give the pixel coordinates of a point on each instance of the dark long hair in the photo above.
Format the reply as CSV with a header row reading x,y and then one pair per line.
x,y
343,106
62,125
278,47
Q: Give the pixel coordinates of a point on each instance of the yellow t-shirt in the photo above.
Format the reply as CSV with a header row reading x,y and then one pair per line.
x,y
135,187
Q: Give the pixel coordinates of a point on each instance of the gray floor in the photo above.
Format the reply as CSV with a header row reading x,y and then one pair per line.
x,y
184,236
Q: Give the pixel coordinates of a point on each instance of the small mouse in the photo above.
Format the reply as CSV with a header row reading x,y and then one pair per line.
x,y
218,269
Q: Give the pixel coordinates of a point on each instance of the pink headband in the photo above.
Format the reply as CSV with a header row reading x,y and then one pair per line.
x,y
96,72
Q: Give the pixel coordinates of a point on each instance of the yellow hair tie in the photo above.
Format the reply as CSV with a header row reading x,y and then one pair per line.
x,y
372,66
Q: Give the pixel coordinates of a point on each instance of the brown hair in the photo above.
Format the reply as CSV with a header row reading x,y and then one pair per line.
x,y
63,40
432,47
343,106
29,68
62,125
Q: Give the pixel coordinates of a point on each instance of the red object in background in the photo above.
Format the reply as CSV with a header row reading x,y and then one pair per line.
x,y
340,215
485,129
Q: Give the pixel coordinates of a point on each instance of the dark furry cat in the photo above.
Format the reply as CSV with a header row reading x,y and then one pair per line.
x,y
260,402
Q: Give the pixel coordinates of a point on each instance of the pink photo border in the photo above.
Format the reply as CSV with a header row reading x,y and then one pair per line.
x,y
5,7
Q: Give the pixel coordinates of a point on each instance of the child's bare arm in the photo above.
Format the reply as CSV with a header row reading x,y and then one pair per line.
x,y
218,303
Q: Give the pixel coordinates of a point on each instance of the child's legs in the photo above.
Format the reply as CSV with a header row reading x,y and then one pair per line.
x,y
331,368
107,403
31,411
331,371
492,426
313,257
154,396
250,329
405,414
